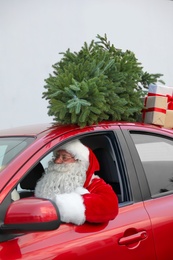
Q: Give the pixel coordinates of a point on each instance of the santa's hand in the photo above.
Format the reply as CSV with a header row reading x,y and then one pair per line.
x,y
81,190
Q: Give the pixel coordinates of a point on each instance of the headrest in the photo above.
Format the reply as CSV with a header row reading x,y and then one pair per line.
x,y
29,182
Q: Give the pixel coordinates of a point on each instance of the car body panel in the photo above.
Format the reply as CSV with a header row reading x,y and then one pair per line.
x,y
143,227
158,208
89,240
161,215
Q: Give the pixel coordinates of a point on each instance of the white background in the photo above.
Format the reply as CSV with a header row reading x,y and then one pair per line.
x,y
34,32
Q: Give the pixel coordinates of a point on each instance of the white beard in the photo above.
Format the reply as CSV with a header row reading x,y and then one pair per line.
x,y
61,178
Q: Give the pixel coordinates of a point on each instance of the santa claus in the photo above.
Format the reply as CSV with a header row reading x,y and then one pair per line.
x,y
71,183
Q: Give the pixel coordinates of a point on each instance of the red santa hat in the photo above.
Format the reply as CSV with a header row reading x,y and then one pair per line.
x,y
83,153
77,149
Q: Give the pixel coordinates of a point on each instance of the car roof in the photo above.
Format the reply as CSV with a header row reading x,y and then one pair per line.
x,y
25,130
44,129
34,130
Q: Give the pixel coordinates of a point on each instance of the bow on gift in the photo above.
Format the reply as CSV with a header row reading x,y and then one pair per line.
x,y
170,102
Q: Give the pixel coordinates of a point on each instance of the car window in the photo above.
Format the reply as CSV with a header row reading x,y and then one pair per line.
x,y
105,148
156,154
102,146
10,147
46,159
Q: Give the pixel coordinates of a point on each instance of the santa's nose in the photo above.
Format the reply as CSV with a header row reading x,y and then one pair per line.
x,y
59,160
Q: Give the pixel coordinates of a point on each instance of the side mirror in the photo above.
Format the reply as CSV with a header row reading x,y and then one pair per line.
x,y
31,214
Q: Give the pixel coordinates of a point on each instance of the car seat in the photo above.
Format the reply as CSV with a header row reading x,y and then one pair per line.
x,y
108,170
29,182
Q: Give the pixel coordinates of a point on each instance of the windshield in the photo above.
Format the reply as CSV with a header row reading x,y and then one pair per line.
x,y
10,147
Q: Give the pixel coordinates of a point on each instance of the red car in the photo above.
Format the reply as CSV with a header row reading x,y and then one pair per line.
x,y
136,159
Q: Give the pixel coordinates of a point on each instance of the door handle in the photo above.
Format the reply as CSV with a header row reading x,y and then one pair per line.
x,y
133,238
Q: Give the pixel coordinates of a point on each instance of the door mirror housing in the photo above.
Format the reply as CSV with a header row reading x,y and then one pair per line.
x,y
31,214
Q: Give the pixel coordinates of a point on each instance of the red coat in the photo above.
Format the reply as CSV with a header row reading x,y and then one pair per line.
x,y
101,204
95,202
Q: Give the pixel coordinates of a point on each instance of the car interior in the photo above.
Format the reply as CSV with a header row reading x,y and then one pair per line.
x,y
29,182
109,172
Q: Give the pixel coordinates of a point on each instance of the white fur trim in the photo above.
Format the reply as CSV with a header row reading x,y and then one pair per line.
x,y
71,207
81,190
77,149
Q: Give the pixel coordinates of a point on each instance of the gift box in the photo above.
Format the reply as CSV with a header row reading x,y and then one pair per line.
x,y
169,119
159,106
160,90
155,110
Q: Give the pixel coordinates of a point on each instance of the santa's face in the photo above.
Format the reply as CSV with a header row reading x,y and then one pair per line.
x,y
61,178
63,156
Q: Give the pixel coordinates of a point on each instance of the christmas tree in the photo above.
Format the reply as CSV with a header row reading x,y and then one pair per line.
x,y
98,83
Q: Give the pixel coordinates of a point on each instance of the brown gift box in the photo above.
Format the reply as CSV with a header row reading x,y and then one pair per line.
x,y
155,112
169,119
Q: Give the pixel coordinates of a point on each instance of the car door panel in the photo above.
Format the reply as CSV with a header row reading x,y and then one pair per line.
x,y
155,158
160,211
89,240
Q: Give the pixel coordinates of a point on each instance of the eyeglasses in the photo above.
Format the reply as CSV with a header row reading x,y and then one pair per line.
x,y
63,157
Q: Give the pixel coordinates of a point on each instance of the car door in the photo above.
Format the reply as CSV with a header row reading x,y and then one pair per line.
x,y
129,235
155,151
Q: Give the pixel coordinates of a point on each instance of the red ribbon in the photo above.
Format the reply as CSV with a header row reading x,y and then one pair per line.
x,y
156,109
154,94
170,102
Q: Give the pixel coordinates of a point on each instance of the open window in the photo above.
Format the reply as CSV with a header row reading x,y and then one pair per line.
x,y
102,146
29,182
